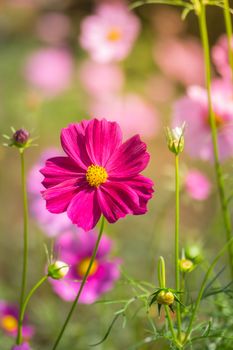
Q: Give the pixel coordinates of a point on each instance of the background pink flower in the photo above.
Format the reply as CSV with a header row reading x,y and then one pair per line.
x,y
100,175
49,70
109,34
24,346
53,28
101,79
193,109
131,111
220,57
9,314
76,249
197,185
50,224
181,60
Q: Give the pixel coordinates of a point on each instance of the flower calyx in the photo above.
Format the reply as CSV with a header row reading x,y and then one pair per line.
x,y
164,297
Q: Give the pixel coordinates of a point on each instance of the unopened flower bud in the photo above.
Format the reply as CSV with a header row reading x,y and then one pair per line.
x,y
20,137
175,139
58,270
165,298
186,265
194,253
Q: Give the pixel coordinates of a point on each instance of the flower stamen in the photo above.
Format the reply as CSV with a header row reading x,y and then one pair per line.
x,y
96,175
114,34
9,323
83,266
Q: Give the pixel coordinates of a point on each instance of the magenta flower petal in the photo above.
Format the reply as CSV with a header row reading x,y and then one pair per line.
x,y
83,209
129,159
116,200
144,189
59,197
73,143
102,139
59,169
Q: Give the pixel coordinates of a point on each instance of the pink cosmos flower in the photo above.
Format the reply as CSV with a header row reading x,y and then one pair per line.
x,y
220,57
9,321
197,185
53,27
101,79
76,249
186,65
193,109
100,175
132,112
50,224
49,70
24,346
109,34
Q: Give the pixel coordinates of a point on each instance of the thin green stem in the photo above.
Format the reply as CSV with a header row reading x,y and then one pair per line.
x,y
25,246
30,294
170,324
218,169
203,285
177,248
162,284
81,287
228,24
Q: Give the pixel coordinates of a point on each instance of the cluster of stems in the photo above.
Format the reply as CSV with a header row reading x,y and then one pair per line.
x,y
180,338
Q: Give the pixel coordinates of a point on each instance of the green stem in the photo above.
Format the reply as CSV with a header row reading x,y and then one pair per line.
x,y
218,169
203,285
32,291
81,287
177,252
25,248
162,284
228,23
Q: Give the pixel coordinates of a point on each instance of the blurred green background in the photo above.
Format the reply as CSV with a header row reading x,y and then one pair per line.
x,y
139,241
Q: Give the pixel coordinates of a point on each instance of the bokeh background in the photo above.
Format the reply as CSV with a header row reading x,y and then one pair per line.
x,y
48,81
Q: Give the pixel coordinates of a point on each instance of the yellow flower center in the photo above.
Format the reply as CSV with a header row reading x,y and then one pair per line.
x,y
218,120
96,175
114,34
9,323
83,266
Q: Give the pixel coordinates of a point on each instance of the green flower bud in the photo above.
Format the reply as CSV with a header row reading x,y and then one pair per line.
x,y
175,139
186,265
165,298
58,270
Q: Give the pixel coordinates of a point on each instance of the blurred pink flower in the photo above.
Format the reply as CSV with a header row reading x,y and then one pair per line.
x,y
193,109
160,89
181,60
197,185
50,224
24,346
101,79
133,113
76,249
109,34
49,70
167,22
53,27
220,57
9,314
